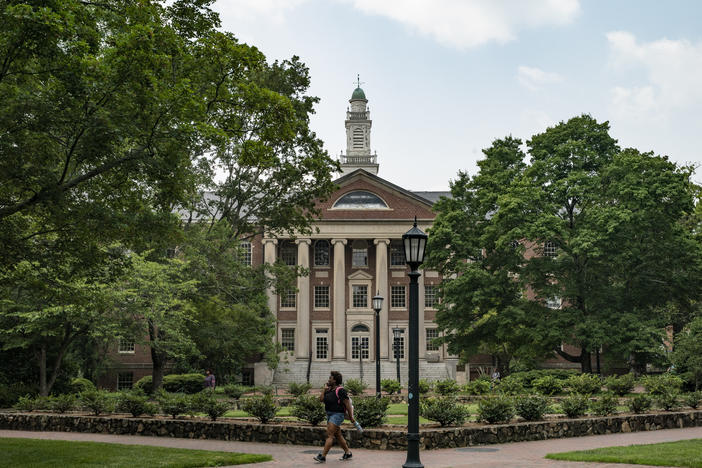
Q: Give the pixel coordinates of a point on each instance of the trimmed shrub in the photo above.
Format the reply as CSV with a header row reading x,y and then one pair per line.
x,y
26,403
584,384
234,391
297,390
547,385
42,402
693,399
574,405
11,393
527,378
446,387
173,404
146,384
478,387
660,384
206,402
495,409
531,407
639,403
355,386
81,384
391,386
370,411
98,401
264,389
620,385
308,408
668,400
604,405
424,386
136,403
63,403
184,383
444,410
262,408
510,385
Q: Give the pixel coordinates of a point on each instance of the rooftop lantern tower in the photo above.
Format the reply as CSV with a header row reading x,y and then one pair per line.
x,y
358,125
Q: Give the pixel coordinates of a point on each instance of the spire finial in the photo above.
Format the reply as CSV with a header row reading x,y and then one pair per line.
x,y
358,81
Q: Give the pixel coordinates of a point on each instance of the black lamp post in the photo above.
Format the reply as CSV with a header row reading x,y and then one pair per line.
x,y
396,333
377,306
415,241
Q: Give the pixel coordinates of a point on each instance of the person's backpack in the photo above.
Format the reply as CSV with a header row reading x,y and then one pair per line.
x,y
339,399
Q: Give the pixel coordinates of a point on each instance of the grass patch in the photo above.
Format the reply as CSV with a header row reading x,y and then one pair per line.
x,y
682,453
37,453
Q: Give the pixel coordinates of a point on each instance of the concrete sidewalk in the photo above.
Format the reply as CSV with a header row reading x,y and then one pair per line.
x,y
520,454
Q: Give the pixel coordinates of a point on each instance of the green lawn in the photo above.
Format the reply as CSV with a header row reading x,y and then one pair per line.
x,y
681,453
59,453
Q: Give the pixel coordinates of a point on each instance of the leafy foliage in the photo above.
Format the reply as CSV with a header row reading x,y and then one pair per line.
x,y
640,403
668,400
206,402
620,385
234,391
510,386
531,407
478,387
136,403
585,384
424,386
183,383
308,408
687,354
81,384
495,409
660,384
547,385
355,386
297,390
447,387
604,405
444,410
63,403
370,411
693,399
98,401
391,386
173,404
262,408
575,405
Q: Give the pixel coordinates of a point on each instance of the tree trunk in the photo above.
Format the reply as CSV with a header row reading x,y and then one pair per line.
x,y
43,391
585,361
158,359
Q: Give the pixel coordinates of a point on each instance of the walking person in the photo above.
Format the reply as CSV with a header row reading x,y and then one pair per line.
x,y
210,381
336,403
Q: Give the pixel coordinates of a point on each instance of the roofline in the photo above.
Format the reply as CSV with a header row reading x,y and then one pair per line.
x,y
405,192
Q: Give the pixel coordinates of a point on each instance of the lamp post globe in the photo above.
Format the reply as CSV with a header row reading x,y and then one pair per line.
x,y
415,241
377,306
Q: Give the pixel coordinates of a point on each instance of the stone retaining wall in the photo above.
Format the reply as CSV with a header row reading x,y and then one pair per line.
x,y
382,439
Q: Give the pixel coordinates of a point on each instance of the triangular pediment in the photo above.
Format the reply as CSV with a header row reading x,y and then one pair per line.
x,y
360,275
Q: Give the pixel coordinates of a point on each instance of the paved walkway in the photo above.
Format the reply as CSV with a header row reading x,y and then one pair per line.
x,y
521,454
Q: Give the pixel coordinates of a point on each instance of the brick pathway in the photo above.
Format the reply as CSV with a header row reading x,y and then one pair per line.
x,y
521,454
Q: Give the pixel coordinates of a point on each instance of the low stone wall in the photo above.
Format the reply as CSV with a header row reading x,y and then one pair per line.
x,y
382,439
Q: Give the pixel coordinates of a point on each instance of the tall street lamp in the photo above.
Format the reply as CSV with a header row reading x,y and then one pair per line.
x,y
397,334
415,241
377,306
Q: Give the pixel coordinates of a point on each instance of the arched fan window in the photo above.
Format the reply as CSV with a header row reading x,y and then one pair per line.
x,y
360,200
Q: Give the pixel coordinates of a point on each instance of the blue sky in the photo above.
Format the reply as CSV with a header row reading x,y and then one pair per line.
x,y
444,78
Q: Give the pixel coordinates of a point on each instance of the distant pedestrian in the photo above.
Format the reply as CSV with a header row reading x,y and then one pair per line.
x,y
496,375
336,403
210,382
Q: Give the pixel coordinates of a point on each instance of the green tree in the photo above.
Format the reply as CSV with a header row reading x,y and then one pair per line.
x,y
687,355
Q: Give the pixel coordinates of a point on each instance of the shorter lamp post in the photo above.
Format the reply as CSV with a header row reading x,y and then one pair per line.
x,y
397,333
377,306
414,242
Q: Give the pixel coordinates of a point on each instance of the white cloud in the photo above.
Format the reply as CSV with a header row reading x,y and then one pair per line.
x,y
469,23
272,10
535,78
671,78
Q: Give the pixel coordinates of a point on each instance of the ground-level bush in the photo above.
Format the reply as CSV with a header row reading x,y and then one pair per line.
x,y
547,385
425,386
10,393
584,384
620,385
63,403
495,409
444,410
206,402
308,408
370,411
604,405
693,399
668,399
660,384
81,384
136,403
173,404
639,403
98,401
478,387
575,405
298,390
391,386
531,407
446,387
262,408
146,384
355,386
510,385
184,383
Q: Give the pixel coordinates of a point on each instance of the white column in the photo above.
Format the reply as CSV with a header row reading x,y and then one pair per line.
x,y
422,332
339,325
302,328
269,257
381,281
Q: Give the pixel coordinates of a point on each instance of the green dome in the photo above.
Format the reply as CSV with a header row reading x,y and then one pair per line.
x,y
358,94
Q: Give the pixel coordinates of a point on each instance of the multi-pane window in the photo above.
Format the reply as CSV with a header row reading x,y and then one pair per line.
x,y
431,334
397,296
125,346
398,347
288,253
359,344
359,254
288,298
125,380
321,253
550,249
553,302
397,254
322,344
430,299
321,297
359,295
287,339
245,252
